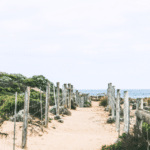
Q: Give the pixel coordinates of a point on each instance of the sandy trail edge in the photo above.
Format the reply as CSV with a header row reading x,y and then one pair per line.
x,y
86,129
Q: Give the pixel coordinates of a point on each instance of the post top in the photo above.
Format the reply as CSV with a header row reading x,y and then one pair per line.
x,y
57,83
125,91
118,90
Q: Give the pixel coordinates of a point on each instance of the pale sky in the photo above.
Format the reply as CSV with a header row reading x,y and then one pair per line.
x,y
87,43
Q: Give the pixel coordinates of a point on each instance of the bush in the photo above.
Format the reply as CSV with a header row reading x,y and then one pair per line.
x,y
16,81
145,129
73,105
52,101
8,104
111,120
128,142
87,104
103,102
12,77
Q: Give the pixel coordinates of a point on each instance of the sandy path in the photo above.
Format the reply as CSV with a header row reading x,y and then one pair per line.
x,y
85,129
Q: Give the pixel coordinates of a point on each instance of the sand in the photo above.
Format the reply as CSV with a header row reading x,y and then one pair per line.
x,y
85,129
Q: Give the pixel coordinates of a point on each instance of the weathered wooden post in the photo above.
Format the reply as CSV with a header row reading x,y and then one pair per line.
x,y
77,96
54,94
82,101
79,99
25,118
118,112
72,92
113,101
126,112
65,101
57,101
15,120
139,105
28,97
69,101
67,97
47,103
41,109
110,95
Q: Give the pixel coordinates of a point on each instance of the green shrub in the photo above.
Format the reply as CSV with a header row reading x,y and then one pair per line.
x,y
116,146
103,102
145,129
87,104
17,81
52,101
11,83
129,142
123,136
8,104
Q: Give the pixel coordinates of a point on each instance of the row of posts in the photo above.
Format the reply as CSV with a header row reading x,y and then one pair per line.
x,y
114,104
79,99
26,112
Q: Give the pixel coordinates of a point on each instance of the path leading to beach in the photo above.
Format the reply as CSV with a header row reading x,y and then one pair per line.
x,y
85,129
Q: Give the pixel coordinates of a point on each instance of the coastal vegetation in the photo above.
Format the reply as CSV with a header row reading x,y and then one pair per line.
x,y
11,83
103,102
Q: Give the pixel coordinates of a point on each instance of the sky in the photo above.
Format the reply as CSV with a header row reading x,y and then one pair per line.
x,y
88,43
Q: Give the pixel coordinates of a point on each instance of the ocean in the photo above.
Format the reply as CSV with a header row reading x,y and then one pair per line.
x,y
133,93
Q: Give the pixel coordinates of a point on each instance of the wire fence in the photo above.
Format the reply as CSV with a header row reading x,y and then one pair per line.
x,y
20,114
25,111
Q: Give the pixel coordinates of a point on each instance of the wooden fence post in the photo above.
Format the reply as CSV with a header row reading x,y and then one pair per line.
x,y
41,109
72,92
139,105
126,112
67,100
108,95
80,103
113,100
28,97
25,119
76,96
118,112
15,120
47,104
69,89
57,101
65,96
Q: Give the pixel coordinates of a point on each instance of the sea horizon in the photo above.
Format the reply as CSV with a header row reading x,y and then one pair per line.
x,y
133,93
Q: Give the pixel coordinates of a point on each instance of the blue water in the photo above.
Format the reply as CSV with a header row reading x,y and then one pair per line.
x,y
133,93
